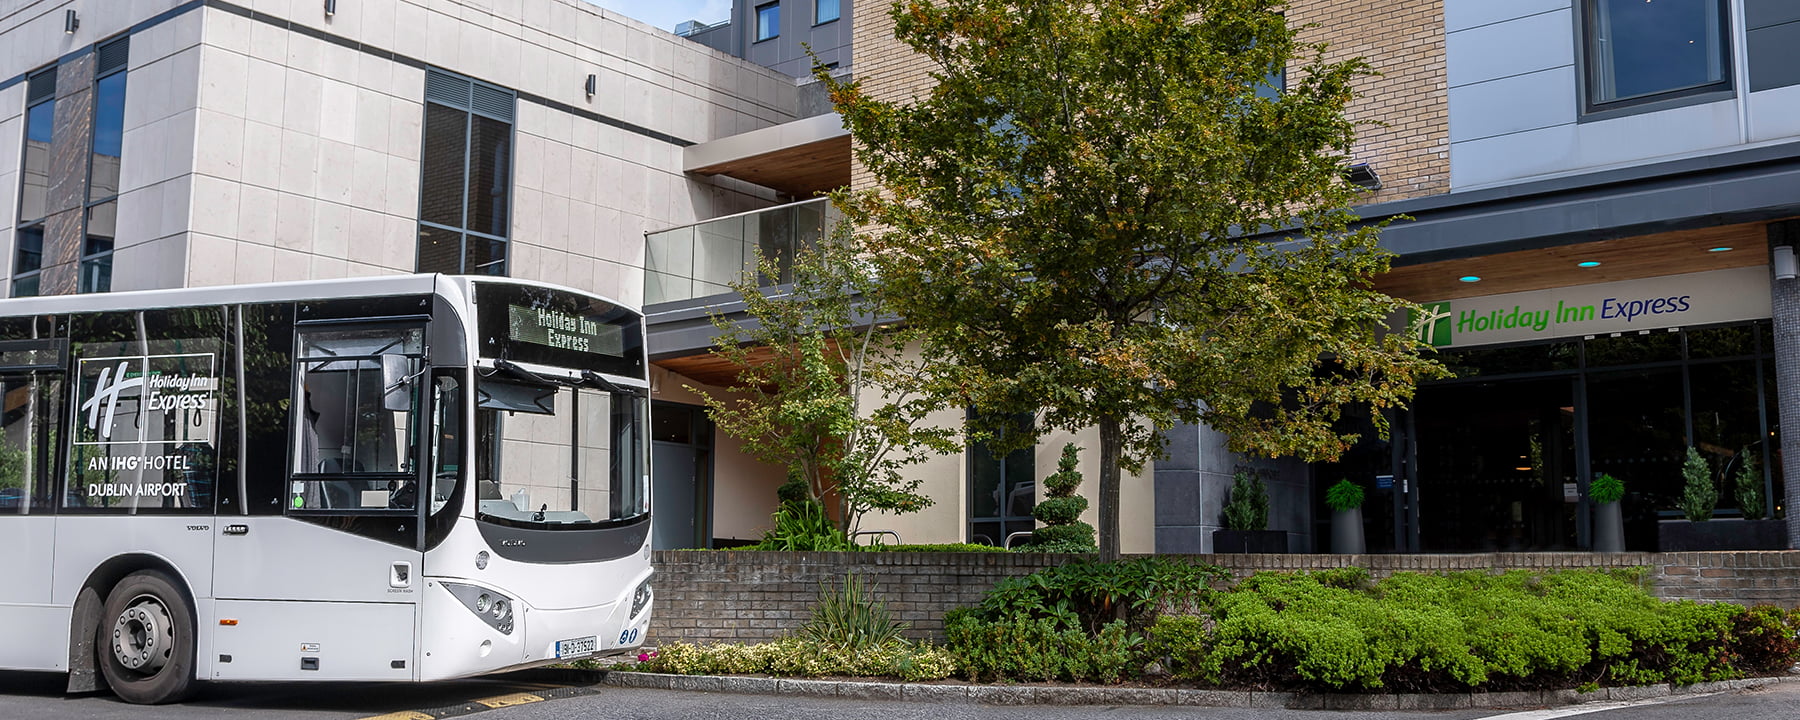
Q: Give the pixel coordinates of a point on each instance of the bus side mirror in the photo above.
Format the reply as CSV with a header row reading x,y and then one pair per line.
x,y
396,382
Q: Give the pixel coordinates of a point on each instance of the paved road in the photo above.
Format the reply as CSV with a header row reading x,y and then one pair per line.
x,y
35,696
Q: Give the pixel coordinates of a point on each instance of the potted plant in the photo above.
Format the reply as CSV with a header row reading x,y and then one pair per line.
x,y
1247,520
1609,525
1700,495
1345,500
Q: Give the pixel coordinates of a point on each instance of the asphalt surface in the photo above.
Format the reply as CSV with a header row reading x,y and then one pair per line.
x,y
537,697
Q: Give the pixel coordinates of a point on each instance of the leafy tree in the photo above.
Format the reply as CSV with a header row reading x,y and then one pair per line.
x,y
809,364
1063,216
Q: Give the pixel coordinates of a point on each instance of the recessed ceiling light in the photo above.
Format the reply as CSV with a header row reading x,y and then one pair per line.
x,y
1470,278
1588,263
1719,249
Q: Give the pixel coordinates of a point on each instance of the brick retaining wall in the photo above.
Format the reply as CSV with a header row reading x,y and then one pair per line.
x,y
754,596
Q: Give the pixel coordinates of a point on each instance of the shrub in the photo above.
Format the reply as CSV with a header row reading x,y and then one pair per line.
x,y
1088,595
802,526
797,657
1699,496
849,617
1749,487
1038,649
1765,639
1605,489
1335,630
1061,510
1345,495
1248,507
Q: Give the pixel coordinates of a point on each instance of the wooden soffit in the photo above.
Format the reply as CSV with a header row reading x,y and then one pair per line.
x,y
1670,253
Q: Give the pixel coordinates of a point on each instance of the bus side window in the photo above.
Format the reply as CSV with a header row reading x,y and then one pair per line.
x,y
28,441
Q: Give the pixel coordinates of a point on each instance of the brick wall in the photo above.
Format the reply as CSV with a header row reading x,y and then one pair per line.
x,y
752,596
1405,130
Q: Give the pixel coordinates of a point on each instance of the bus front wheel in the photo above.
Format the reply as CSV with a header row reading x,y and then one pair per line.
x,y
146,640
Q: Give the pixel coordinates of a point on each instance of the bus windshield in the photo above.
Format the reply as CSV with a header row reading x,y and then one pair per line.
x,y
559,457
560,445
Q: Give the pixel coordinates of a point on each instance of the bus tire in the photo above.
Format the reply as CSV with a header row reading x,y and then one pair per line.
x,y
146,640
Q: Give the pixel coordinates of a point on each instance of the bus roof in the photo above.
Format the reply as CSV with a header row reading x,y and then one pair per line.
x,y
264,292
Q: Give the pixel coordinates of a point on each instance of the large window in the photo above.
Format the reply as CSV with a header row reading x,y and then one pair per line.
x,y
465,187
100,204
768,21
824,11
102,211
1639,51
1002,490
34,182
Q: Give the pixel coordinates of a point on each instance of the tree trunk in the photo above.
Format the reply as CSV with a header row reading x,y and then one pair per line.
x,y
1108,534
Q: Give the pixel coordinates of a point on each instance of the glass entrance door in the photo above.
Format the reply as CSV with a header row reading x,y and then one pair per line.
x,y
1497,466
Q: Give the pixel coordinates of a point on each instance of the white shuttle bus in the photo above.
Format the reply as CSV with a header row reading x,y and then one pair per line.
x,y
396,478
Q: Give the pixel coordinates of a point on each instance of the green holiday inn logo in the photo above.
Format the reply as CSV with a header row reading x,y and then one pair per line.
x,y
1433,324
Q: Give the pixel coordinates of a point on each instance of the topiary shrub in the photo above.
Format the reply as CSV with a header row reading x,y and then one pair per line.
x,y
1699,496
1248,508
1748,484
1061,509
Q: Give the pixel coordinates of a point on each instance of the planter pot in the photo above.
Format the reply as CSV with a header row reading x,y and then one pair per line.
x,y
1250,541
1689,536
1347,532
1609,528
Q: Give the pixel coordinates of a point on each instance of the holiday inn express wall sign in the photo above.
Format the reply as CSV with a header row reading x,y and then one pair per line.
x,y
1650,303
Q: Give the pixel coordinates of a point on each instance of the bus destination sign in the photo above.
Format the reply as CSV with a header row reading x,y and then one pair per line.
x,y
564,331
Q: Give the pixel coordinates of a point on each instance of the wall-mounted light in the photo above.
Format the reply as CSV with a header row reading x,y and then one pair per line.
x,y
330,8
1783,260
1363,175
70,21
593,83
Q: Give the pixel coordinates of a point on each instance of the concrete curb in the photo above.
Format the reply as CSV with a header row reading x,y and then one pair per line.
x,y
1036,695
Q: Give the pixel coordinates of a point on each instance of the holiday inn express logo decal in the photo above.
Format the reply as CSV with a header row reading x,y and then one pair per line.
x,y
1631,305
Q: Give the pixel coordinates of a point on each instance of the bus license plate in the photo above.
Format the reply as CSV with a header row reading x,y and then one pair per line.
x,y
575,647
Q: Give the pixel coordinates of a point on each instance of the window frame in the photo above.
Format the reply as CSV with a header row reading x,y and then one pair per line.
x,y
22,223
774,27
1588,59
464,234
100,261
415,457
837,9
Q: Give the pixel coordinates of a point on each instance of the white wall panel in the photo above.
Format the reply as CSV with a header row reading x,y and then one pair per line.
x,y
1657,134
1500,50
1465,14
1513,104
1775,113
1493,160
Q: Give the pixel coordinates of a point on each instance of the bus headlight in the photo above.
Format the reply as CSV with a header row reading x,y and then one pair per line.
x,y
492,607
640,598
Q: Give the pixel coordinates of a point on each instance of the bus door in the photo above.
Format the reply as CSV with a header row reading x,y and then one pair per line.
x,y
327,585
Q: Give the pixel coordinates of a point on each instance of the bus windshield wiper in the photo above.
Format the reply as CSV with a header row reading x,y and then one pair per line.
x,y
519,373
597,379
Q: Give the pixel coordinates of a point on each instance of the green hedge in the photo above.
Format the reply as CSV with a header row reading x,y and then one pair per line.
x,y
1336,631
